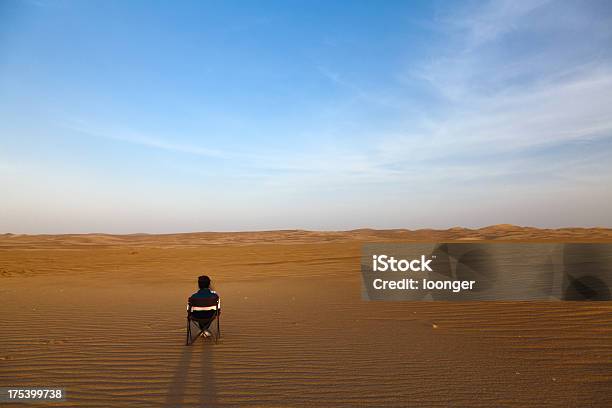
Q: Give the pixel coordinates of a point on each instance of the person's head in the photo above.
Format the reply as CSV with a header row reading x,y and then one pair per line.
x,y
204,282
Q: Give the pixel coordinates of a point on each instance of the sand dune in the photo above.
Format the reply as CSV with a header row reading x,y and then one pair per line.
x,y
103,316
501,232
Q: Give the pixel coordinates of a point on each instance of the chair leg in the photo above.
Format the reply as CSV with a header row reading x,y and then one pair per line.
x,y
188,333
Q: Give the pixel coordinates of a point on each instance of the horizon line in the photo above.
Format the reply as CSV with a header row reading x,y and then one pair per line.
x,y
491,226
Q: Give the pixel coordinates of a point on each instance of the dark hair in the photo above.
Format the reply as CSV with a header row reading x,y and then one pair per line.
x,y
204,282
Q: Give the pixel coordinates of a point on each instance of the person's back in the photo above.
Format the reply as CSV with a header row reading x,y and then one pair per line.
x,y
205,292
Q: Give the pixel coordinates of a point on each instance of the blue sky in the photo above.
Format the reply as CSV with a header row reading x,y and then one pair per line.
x,y
192,116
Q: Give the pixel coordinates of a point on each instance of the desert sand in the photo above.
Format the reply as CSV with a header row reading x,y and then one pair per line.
x,y
103,316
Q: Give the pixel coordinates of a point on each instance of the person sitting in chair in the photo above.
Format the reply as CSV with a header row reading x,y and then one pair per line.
x,y
208,311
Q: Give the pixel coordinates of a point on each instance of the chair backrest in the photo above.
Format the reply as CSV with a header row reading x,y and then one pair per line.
x,y
204,301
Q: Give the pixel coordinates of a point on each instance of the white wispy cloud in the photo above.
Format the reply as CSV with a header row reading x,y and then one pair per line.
x,y
485,22
123,134
492,103
498,100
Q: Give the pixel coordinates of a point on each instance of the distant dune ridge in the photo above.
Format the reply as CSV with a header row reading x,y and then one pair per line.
x,y
500,232
104,317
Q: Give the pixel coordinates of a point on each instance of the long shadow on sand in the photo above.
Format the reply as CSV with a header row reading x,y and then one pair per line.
x,y
208,391
207,395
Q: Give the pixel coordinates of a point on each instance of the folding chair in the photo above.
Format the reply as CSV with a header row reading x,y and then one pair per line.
x,y
196,304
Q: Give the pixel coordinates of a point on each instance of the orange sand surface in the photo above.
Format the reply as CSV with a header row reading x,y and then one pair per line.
x,y
103,316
